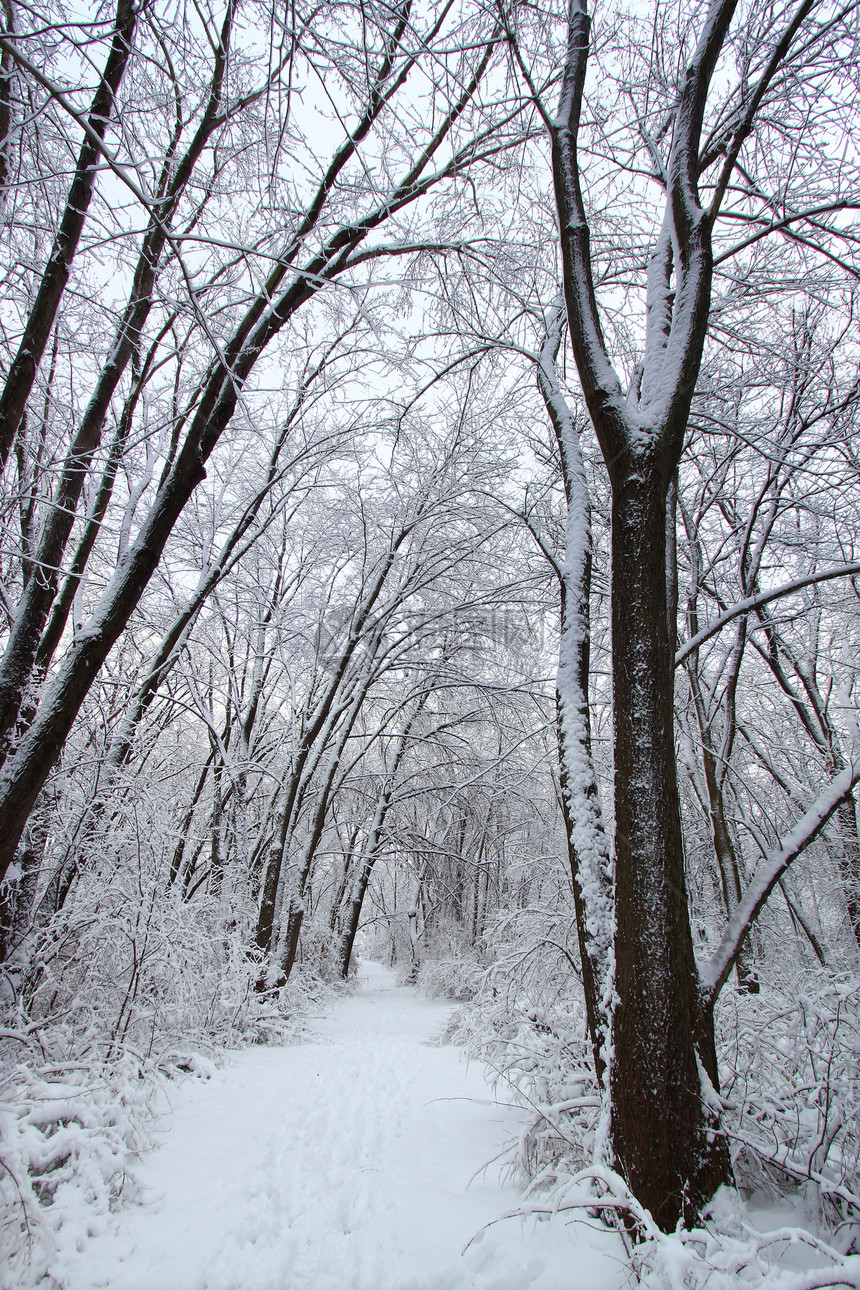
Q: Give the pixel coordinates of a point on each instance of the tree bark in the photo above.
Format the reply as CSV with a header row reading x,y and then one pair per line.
x,y
845,829
662,1135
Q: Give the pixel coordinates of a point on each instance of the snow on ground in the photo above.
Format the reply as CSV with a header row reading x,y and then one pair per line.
x,y
358,1162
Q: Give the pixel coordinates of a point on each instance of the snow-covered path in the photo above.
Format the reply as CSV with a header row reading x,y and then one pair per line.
x,y
353,1163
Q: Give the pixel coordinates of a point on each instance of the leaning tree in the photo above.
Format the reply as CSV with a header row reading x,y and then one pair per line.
x,y
202,194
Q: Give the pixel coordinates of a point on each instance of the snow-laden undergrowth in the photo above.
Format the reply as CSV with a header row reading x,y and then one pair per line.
x,y
70,1131
790,1089
360,1159
98,1025
101,1015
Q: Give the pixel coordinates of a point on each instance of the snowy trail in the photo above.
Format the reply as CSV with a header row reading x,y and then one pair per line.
x,y
352,1163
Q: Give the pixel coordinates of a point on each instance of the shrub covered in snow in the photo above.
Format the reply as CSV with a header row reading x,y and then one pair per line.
x,y
527,1021
453,976
790,1085
790,1061
103,1004
68,1133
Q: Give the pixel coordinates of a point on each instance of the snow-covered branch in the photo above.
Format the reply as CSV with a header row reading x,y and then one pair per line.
x,y
768,874
755,602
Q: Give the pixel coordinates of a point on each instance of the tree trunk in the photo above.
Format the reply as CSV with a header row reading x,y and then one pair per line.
x,y
845,829
335,917
715,776
353,914
587,843
662,1135
414,938
295,918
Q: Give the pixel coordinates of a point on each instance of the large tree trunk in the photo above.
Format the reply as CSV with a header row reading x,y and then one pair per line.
x,y
662,1135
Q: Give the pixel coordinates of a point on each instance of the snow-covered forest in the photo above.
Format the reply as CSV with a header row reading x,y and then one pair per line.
x,y
430,537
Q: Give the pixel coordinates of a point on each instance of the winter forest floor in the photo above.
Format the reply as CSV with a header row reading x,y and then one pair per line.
x,y
361,1160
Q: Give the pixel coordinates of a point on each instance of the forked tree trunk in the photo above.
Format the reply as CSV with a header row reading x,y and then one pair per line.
x,y
664,1137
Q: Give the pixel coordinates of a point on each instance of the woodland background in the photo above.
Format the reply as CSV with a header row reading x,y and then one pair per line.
x,y
287,530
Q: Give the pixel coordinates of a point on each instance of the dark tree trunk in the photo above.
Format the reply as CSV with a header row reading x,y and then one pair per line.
x,y
295,918
727,860
336,912
353,915
666,1143
715,764
663,1139
17,896
271,882
845,828
5,100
